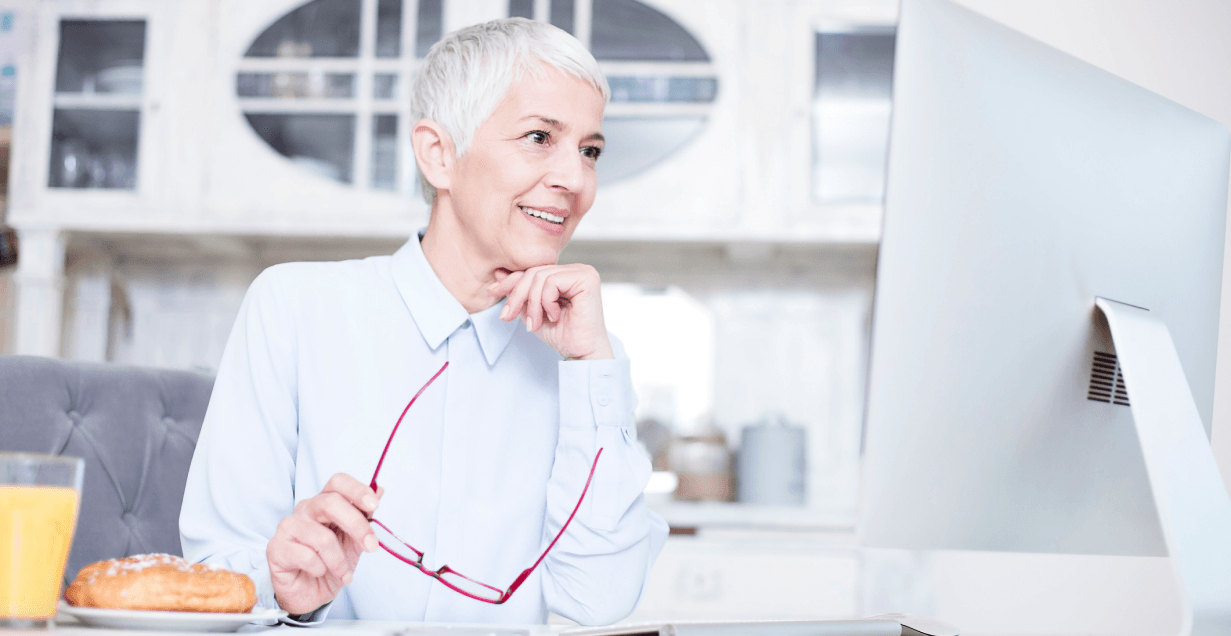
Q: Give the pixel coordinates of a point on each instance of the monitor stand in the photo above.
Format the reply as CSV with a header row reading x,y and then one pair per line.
x,y
1193,508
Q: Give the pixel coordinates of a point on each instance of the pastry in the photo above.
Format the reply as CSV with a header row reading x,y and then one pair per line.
x,y
161,582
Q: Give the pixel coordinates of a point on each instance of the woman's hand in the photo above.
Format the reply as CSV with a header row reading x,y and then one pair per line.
x,y
315,550
561,304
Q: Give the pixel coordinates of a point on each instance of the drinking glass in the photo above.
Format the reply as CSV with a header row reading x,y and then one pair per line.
x,y
39,497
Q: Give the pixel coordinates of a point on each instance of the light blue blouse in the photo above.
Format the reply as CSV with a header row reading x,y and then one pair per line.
x,y
484,470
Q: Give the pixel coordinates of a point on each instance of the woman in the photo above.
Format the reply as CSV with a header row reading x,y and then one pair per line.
x,y
489,464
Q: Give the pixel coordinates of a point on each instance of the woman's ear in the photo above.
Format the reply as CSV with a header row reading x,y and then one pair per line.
x,y
433,152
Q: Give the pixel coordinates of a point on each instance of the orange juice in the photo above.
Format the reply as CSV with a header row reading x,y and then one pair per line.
x,y
36,531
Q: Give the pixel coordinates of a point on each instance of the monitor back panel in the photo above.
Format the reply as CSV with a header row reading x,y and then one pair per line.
x,y
1022,183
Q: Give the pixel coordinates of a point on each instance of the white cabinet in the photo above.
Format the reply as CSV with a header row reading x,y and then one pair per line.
x,y
241,117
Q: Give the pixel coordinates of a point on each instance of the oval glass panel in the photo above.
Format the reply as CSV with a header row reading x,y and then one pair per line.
x,y
322,144
320,28
309,110
635,144
628,30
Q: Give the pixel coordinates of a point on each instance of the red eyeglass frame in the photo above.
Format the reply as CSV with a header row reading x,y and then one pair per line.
x,y
438,573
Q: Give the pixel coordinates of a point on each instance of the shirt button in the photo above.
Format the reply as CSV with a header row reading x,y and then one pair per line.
x,y
466,325
603,401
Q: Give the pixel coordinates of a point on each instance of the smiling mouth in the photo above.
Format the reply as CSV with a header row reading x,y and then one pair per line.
x,y
546,216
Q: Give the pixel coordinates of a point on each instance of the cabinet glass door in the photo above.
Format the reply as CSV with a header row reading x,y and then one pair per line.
x,y
324,86
850,115
97,104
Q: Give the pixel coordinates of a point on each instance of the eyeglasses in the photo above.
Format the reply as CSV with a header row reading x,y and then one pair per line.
x,y
451,578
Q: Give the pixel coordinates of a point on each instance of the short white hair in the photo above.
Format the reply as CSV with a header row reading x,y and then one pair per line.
x,y
466,75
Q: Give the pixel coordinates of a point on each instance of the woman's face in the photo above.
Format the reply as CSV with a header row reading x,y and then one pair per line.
x,y
528,177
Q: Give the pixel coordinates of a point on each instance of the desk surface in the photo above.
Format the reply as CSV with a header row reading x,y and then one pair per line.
x,y
69,626
879,626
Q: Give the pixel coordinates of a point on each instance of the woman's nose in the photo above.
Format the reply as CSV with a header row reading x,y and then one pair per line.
x,y
567,171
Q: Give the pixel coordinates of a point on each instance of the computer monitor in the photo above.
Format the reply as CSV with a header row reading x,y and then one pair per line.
x,y
1005,400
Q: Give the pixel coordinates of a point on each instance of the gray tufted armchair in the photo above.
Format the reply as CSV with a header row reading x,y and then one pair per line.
x,y
136,430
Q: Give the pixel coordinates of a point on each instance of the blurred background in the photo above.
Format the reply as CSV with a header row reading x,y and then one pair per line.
x,y
158,154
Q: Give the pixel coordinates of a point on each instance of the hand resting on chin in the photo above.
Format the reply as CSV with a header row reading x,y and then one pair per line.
x,y
561,304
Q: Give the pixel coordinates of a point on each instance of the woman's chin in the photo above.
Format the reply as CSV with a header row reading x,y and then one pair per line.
x,y
528,264
537,257
527,246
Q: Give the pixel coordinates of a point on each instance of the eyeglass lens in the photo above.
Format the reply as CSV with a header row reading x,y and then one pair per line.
x,y
396,546
392,543
470,587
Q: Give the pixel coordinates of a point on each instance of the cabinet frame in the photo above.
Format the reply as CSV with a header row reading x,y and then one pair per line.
x,y
842,222
42,100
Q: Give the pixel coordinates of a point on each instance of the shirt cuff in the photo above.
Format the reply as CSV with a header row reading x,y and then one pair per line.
x,y
596,412
595,393
311,619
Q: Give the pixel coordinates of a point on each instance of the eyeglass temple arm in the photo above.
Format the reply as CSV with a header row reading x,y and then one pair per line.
x,y
525,573
376,472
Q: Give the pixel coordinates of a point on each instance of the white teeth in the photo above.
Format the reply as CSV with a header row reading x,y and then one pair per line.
x,y
543,215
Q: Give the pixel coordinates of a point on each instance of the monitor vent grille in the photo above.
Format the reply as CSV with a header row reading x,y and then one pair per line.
x,y
1106,380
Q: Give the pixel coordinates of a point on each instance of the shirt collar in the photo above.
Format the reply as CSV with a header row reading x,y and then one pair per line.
x,y
437,313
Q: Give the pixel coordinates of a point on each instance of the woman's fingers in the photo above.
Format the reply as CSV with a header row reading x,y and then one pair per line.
x,y
514,303
295,556
505,283
346,504
334,510
356,492
554,290
537,293
549,297
534,299
321,540
545,295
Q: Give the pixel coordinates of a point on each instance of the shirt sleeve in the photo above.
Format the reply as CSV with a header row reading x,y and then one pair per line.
x,y
242,479
596,573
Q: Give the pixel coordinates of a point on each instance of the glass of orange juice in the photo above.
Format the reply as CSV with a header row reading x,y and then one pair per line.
x,y
39,497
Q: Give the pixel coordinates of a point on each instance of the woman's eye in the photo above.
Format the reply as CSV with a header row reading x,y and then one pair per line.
x,y
537,136
591,152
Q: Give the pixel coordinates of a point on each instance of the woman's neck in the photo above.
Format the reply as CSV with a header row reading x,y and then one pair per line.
x,y
464,273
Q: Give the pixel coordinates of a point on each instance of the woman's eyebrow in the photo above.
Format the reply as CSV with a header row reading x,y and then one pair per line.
x,y
554,123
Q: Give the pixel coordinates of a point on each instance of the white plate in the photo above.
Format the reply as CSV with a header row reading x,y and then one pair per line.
x,y
168,621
